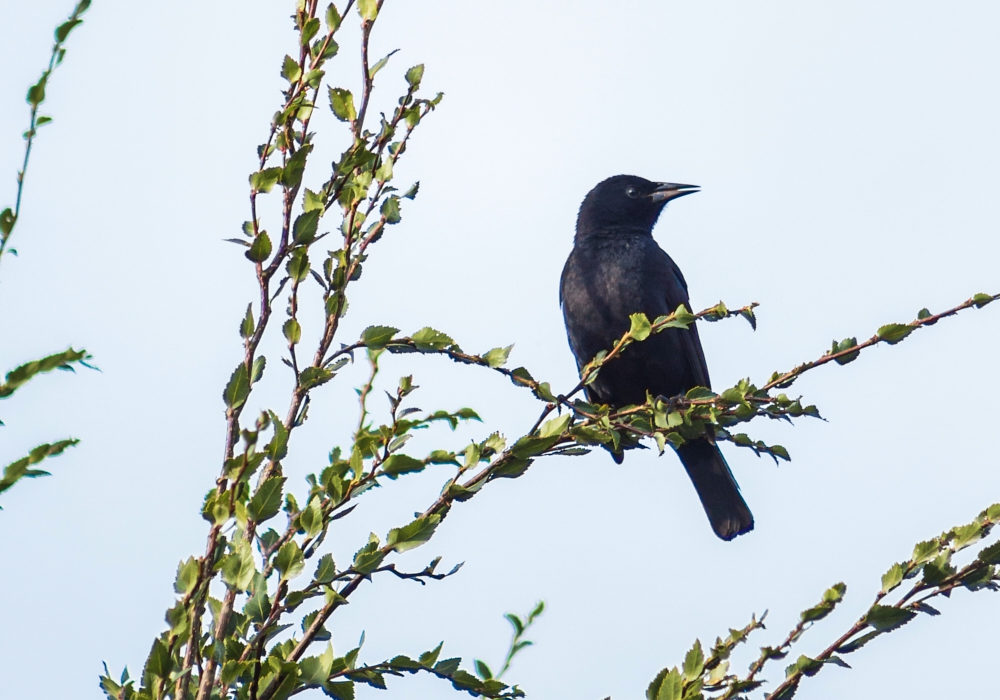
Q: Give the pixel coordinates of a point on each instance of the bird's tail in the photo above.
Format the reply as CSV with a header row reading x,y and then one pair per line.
x,y
719,493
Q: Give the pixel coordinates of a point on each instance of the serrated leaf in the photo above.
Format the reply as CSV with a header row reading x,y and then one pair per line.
x,y
415,75
390,210
238,388
326,569
368,9
260,250
892,578
497,357
555,426
290,561
411,536
305,227
885,618
925,551
893,333
398,464
429,339
694,662
265,180
342,104
290,69
267,501
671,687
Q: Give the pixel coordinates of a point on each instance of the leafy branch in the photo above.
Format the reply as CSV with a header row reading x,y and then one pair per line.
x,y
35,98
931,561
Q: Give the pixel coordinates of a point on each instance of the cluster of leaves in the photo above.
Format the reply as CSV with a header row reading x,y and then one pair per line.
x,y
933,573
19,376
227,633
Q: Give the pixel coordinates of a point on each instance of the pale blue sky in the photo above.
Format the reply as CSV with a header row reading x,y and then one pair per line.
x,y
849,160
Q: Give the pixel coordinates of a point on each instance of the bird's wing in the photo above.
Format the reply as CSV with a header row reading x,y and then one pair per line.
x,y
674,289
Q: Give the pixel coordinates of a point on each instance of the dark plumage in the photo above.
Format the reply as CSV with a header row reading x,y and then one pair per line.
x,y
617,269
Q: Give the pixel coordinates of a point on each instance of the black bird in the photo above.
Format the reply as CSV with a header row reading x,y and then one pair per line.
x,y
617,269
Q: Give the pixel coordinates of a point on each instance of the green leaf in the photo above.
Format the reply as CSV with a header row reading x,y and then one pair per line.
x,y
376,337
892,333
260,250
990,554
292,331
856,644
925,551
290,70
314,670
981,300
482,670
694,662
368,558
326,569
342,104
187,576
309,30
497,357
265,180
641,327
238,388
892,578
415,75
390,210
290,560
63,30
333,18
298,265
159,664
428,339
413,535
7,221
278,447
885,618
401,464
267,501
380,64
291,174
311,518
671,686
238,569
247,326
305,227
313,200
555,426
258,608
257,370
312,377
36,93
368,9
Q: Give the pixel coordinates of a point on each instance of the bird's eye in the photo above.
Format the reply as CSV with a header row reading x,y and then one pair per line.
x,y
632,192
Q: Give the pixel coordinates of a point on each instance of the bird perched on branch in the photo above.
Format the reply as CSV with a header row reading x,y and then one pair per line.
x,y
616,269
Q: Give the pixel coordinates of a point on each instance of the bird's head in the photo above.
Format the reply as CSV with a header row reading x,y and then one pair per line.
x,y
627,201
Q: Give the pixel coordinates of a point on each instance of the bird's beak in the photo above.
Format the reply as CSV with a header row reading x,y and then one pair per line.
x,y
665,191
